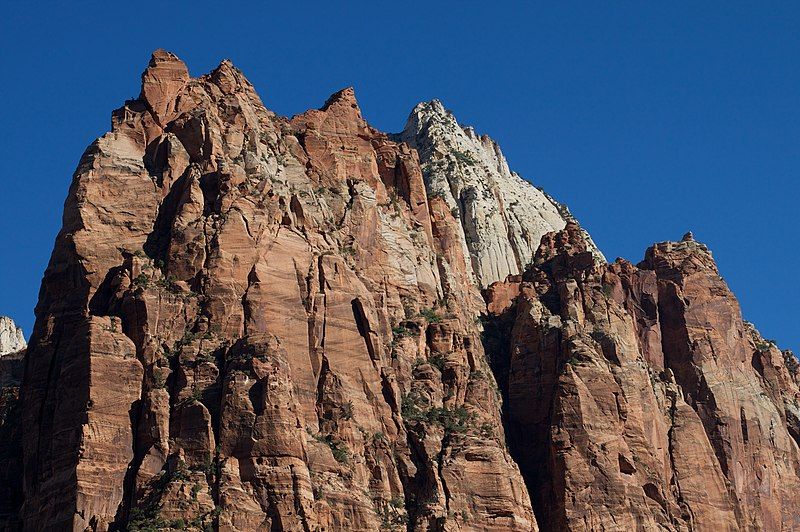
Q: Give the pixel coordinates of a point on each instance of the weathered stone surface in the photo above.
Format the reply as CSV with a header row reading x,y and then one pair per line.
x,y
636,398
11,338
503,217
250,322
269,320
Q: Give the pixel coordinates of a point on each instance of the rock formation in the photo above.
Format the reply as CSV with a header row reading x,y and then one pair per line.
x,y
503,216
637,398
12,352
251,322
11,337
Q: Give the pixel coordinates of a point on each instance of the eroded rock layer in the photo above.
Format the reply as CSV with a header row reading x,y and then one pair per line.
x,y
250,322
257,323
637,398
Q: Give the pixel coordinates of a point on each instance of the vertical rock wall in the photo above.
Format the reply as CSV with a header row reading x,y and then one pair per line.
x,y
250,322
636,397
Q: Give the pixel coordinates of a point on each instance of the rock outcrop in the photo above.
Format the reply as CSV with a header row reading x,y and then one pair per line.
x,y
637,398
250,322
503,217
12,339
12,352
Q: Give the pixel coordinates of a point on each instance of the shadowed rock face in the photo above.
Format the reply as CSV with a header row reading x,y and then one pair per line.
x,y
12,352
252,322
636,397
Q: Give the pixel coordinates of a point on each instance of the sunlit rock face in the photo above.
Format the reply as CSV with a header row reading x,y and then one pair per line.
x,y
250,322
11,337
635,396
503,217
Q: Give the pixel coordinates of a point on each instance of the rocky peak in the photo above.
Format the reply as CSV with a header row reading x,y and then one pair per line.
x,y
163,79
700,415
344,99
672,260
503,217
228,78
287,314
569,241
11,337
340,115
256,323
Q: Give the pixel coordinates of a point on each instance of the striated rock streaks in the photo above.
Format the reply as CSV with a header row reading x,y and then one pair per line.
x,y
637,398
250,322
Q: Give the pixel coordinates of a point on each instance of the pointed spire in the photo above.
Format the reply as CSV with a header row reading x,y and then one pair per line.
x,y
164,78
343,98
227,77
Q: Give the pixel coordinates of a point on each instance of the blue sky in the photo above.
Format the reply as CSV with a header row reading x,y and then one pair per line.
x,y
647,119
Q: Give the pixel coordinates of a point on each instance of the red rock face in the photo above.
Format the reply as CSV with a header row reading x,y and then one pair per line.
x,y
254,323
251,323
636,397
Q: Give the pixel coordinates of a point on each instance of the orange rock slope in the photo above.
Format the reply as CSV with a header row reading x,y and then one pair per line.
x,y
250,323
638,399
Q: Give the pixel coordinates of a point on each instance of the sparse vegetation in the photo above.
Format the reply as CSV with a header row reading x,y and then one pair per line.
x,y
464,157
402,332
454,420
141,281
430,315
437,361
197,394
147,517
205,356
791,362
338,448
392,518
763,344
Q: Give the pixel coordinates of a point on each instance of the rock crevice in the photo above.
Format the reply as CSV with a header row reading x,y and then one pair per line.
x,y
250,322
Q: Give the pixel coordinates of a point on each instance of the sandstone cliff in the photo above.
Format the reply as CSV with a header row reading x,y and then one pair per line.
x,y
637,398
251,322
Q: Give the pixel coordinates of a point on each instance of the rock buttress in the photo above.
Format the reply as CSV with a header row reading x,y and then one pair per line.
x,y
250,322
637,398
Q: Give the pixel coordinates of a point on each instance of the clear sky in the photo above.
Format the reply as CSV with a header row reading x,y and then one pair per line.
x,y
648,119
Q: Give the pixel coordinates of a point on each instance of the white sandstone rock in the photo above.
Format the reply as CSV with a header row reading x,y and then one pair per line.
x,y
11,337
503,217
